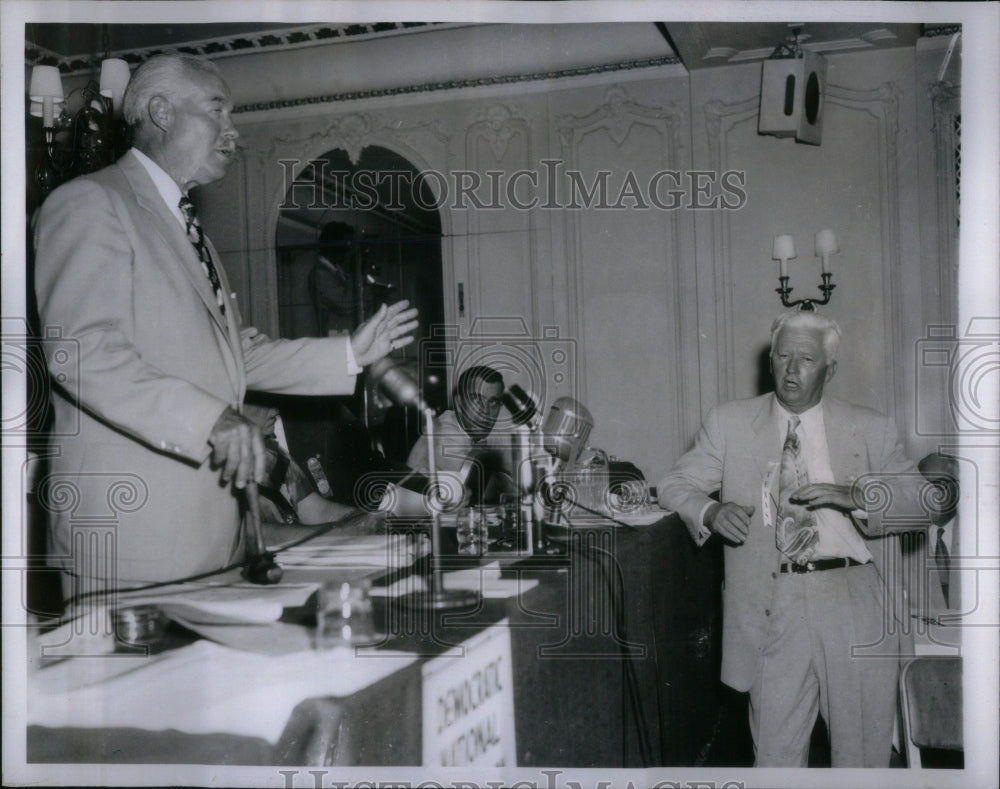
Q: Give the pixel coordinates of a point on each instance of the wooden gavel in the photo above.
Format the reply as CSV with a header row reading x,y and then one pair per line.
x,y
259,566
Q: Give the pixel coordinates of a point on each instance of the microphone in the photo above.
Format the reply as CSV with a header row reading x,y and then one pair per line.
x,y
566,429
397,382
522,408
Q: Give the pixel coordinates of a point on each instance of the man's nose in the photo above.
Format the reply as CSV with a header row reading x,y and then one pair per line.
x,y
793,364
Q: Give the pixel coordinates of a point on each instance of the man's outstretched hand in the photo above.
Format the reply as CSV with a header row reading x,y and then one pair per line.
x,y
386,330
238,447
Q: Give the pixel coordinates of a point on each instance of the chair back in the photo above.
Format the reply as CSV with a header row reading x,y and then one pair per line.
x,y
930,694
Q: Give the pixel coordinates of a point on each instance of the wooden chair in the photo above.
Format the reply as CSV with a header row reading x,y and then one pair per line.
x,y
930,697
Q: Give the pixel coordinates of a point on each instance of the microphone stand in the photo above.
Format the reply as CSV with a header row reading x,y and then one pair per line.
x,y
259,566
437,597
550,514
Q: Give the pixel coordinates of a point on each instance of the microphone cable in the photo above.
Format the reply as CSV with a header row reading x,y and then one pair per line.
x,y
327,527
614,582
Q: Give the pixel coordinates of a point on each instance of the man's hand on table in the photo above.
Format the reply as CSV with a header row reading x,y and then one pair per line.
x,y
238,447
730,521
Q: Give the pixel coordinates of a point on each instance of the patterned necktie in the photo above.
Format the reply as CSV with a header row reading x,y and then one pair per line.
x,y
941,560
795,527
197,239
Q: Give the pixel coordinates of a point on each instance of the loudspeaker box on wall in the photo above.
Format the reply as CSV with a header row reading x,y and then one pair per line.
x,y
792,94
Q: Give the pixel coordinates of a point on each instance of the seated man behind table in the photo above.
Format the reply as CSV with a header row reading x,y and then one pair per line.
x,y
933,577
466,433
804,576
288,494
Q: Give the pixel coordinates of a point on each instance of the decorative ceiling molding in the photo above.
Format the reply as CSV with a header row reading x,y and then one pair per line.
x,y
458,84
225,46
873,39
941,30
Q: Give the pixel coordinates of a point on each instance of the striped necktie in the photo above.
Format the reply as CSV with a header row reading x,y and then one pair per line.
x,y
197,238
795,527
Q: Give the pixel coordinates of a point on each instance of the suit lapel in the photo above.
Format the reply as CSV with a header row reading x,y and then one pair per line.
x,y
169,229
237,370
842,441
766,447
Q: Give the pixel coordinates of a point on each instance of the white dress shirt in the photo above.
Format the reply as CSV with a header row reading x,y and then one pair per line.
x,y
838,536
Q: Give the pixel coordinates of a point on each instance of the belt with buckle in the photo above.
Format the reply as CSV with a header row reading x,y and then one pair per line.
x,y
820,564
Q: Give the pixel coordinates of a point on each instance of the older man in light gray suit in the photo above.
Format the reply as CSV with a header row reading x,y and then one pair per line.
x,y
793,616
153,410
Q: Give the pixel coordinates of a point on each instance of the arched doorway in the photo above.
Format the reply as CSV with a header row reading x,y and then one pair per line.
x,y
350,236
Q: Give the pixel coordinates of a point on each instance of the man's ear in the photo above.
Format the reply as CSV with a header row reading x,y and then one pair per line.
x,y
161,112
831,369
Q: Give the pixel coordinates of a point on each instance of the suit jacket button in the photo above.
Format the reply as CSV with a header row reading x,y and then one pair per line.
x,y
774,575
767,612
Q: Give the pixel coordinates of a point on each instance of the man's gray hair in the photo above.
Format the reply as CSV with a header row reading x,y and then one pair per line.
x,y
161,75
804,319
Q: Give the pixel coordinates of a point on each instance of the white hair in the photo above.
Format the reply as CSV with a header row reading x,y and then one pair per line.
x,y
161,75
809,320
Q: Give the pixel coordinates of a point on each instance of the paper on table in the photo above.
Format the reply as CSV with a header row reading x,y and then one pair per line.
x,y
375,550
201,688
236,603
273,638
485,579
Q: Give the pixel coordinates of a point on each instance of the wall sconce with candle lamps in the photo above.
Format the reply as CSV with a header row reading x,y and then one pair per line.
x,y
90,138
784,250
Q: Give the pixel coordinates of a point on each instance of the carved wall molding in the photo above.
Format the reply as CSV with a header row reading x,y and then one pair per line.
x,y
353,133
616,117
720,118
498,124
507,132
882,103
947,110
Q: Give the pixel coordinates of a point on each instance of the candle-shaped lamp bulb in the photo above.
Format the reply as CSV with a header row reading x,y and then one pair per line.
x,y
826,245
784,250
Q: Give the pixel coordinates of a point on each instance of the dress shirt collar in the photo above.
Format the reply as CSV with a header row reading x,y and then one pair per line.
x,y
947,535
811,421
165,185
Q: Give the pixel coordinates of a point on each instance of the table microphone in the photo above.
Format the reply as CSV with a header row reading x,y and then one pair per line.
x,y
521,406
398,383
402,388
566,429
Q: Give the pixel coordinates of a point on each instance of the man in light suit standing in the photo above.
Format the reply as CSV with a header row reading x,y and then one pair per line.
x,y
153,410
804,581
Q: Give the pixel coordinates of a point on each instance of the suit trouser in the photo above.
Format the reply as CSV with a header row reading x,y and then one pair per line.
x,y
807,668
